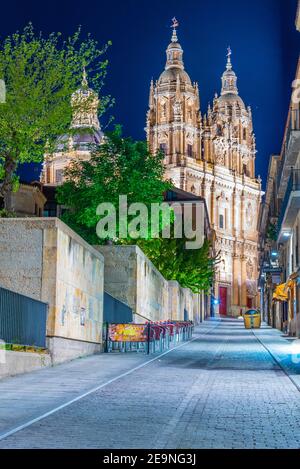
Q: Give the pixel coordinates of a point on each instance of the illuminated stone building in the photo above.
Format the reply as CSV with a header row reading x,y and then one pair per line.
x,y
212,156
85,132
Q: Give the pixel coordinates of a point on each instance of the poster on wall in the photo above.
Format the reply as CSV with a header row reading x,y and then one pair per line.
x,y
127,332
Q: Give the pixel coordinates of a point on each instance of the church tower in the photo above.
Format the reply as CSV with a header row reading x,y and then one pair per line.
x,y
214,157
231,128
85,133
173,120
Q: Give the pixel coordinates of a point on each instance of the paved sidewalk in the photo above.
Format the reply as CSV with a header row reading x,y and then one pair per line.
x,y
26,397
222,390
286,350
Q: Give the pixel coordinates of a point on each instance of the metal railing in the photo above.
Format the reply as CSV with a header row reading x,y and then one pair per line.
x,y
293,185
22,319
115,311
148,337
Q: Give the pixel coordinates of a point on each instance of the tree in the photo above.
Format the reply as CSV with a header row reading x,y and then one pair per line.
x,y
120,166
272,232
192,268
40,74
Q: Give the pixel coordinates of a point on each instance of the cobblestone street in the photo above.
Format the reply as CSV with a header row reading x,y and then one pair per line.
x,y
222,390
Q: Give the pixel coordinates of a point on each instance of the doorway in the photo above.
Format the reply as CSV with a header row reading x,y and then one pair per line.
x,y
223,301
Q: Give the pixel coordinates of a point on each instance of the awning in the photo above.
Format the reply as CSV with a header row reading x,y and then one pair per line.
x,y
281,292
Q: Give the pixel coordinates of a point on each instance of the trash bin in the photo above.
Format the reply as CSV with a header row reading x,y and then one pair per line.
x,y
252,319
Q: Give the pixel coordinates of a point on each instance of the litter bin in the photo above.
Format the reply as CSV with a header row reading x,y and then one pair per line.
x,y
252,319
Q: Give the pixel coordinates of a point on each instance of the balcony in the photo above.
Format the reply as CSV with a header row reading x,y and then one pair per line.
x,y
290,205
290,151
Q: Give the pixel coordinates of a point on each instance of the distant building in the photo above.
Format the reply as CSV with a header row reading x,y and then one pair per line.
x,y
214,157
85,134
28,201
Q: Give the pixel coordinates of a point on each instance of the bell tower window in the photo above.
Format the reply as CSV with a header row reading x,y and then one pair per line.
x,y
190,150
221,221
59,176
163,148
245,169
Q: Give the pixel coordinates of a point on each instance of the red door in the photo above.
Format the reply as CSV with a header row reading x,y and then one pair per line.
x,y
249,302
223,300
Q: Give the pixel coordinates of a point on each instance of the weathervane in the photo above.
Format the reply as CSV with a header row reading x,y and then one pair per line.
x,y
229,52
174,25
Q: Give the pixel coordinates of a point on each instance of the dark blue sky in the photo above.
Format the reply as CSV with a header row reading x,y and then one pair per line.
x,y
261,34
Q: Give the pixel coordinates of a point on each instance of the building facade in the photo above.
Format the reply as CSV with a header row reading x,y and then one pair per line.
x,y
281,208
288,233
270,269
28,201
212,156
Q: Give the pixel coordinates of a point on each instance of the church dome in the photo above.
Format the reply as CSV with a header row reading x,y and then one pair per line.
x,y
170,75
85,127
229,92
174,64
231,99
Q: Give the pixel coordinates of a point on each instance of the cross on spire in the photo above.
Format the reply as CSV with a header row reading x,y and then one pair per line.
x,y
174,25
84,82
229,52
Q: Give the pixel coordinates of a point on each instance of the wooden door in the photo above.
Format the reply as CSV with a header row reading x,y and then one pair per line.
x,y
223,300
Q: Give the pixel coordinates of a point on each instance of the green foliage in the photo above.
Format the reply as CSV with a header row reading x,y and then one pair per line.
x,y
272,232
120,166
192,268
124,167
40,74
6,213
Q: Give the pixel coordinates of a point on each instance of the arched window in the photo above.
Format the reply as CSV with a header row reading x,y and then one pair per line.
x,y
59,176
190,150
221,221
244,133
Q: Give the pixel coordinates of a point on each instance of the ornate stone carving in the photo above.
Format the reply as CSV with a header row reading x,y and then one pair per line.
x,y
249,269
177,110
249,215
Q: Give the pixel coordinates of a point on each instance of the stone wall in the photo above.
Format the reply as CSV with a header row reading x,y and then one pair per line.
x,y
132,278
46,260
13,363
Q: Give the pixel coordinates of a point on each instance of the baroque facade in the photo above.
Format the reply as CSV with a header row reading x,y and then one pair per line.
x,y
212,156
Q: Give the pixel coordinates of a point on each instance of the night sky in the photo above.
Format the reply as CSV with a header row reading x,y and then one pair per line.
x,y
261,33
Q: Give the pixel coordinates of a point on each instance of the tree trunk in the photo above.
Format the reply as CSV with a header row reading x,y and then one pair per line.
x,y
6,186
